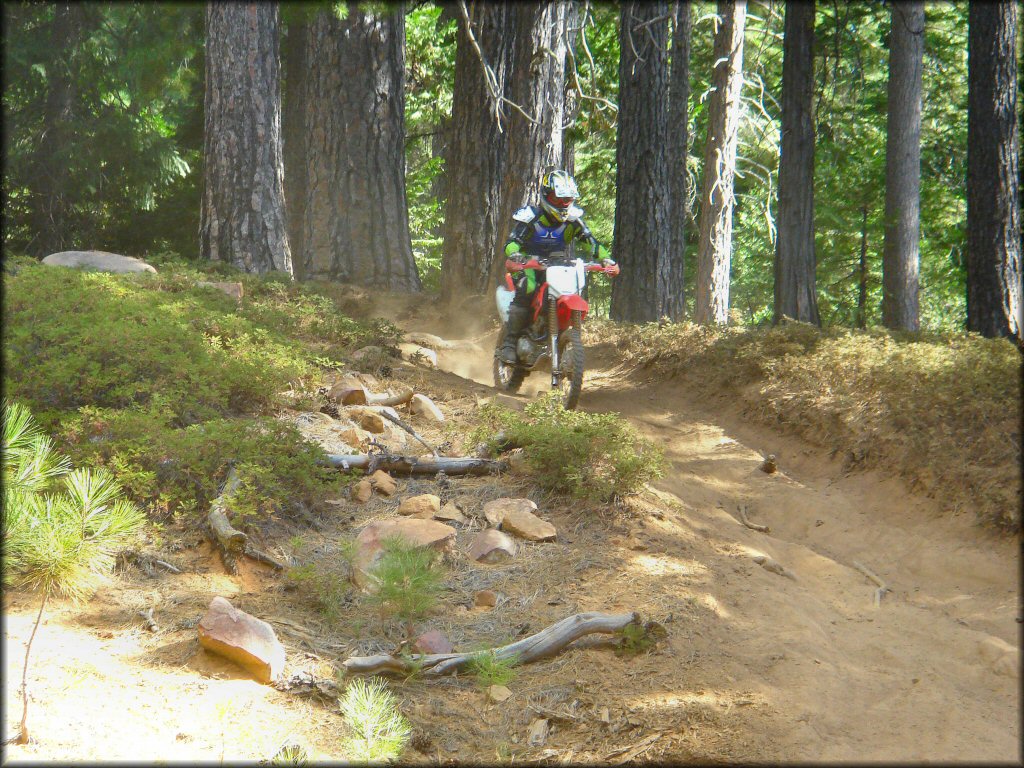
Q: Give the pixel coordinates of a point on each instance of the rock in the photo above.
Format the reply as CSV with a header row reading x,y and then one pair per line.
x,y
414,353
517,461
355,436
383,483
538,732
235,290
450,512
527,525
421,405
424,506
498,693
492,546
244,639
496,510
417,533
362,491
485,598
98,260
504,400
433,641
348,391
1001,657
372,422
370,351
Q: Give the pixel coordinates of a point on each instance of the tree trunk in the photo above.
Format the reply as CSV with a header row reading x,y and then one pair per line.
x,y
357,220
476,152
538,88
794,249
573,25
23,734
716,202
901,251
642,236
678,141
51,177
243,214
994,302
294,136
862,273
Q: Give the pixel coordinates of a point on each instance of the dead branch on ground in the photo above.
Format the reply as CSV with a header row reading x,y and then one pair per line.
x,y
547,642
410,430
416,465
882,586
229,540
742,509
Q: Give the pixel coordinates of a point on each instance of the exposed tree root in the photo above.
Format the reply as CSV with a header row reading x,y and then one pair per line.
x,y
882,586
229,540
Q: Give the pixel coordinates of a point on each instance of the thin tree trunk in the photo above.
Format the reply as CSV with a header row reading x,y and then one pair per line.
x,y
716,202
476,152
994,302
678,141
294,137
243,215
51,178
538,87
794,249
572,101
862,275
642,234
22,737
901,251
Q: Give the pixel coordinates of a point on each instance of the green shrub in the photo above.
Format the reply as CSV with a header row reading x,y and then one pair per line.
x,y
590,456
490,670
407,580
380,731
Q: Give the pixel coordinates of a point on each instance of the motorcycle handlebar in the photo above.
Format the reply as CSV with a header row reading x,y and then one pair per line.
x,y
515,266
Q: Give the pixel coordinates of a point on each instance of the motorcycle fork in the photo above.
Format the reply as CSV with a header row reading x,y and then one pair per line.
x,y
556,374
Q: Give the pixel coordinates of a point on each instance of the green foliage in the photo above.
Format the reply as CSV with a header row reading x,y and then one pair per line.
x,y
408,582
290,755
328,588
590,456
380,731
58,538
634,640
488,669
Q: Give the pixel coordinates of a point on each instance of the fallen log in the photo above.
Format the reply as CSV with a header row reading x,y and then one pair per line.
x,y
229,540
547,642
416,465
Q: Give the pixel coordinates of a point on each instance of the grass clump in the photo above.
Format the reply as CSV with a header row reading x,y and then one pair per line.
x,y
488,669
593,457
380,732
407,580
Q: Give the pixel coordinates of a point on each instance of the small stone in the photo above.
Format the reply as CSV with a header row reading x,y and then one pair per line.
x,y
362,491
769,465
424,506
485,598
355,436
538,732
527,526
372,422
498,693
451,513
495,511
235,290
421,405
244,639
383,483
348,392
433,641
492,546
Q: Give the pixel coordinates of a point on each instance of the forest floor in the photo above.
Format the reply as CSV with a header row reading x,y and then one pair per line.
x,y
755,666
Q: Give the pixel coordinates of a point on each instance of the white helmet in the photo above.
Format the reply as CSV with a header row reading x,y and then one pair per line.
x,y
557,194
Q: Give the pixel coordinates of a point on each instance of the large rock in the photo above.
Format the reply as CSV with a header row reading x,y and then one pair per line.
x,y
415,532
424,506
421,405
495,511
527,525
235,290
492,546
244,639
433,641
98,260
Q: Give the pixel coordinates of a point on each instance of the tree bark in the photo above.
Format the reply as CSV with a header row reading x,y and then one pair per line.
x,y
571,109
642,236
901,251
795,295
716,201
538,88
994,302
356,227
862,272
476,152
678,142
294,137
51,177
243,214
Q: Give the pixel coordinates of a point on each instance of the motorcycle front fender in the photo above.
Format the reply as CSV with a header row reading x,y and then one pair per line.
x,y
567,305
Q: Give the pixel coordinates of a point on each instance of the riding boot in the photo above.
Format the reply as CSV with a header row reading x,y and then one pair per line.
x,y
518,319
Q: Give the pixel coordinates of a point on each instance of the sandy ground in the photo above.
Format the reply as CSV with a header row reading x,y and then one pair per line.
x,y
756,666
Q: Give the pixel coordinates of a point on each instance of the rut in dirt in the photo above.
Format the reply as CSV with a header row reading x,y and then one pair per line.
x,y
928,673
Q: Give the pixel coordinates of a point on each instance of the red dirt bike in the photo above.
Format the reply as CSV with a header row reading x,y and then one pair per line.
x,y
555,334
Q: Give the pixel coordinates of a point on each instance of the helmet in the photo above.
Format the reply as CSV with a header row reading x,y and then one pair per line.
x,y
557,194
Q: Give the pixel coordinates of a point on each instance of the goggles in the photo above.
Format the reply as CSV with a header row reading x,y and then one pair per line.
x,y
559,202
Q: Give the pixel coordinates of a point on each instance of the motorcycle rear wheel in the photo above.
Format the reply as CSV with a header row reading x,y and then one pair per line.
x,y
507,377
571,362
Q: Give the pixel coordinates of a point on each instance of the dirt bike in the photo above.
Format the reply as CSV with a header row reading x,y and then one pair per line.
x,y
555,334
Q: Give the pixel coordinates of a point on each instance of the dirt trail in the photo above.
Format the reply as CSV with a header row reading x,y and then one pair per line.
x,y
838,677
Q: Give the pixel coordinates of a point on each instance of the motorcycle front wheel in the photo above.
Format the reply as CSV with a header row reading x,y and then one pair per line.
x,y
507,377
570,357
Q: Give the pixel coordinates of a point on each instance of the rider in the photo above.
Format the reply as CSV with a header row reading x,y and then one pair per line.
x,y
555,226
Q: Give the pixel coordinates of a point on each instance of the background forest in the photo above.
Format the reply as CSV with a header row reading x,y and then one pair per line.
x,y
124,163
